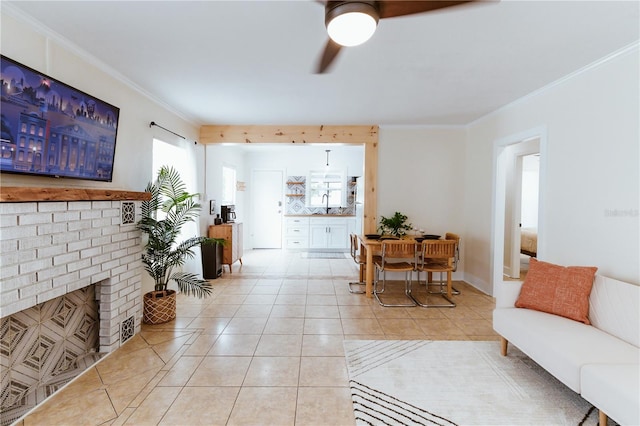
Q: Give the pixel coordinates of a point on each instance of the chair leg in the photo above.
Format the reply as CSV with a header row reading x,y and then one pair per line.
x,y
357,287
445,296
407,292
440,284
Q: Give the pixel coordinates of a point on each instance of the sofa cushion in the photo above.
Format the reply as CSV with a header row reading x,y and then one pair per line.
x,y
559,345
558,290
614,389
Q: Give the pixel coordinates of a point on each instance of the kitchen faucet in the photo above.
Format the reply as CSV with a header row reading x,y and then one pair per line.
x,y
326,195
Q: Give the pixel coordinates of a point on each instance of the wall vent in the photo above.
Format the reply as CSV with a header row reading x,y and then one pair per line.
x,y
128,213
127,329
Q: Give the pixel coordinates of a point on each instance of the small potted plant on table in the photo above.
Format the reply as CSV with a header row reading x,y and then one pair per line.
x,y
395,225
163,251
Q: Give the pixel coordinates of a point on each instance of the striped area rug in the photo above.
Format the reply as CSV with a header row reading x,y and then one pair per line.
x,y
418,382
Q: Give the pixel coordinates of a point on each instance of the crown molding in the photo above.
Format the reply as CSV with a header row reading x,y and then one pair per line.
x,y
50,35
628,49
423,126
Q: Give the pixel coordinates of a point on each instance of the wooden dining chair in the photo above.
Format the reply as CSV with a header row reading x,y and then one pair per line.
x,y
436,256
396,256
456,260
360,260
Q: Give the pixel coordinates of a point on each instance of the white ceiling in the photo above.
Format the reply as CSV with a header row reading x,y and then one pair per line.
x,y
240,62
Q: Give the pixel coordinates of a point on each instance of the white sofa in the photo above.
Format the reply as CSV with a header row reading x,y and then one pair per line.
x,y
599,361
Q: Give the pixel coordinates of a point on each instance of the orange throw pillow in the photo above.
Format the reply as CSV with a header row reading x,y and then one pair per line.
x,y
558,289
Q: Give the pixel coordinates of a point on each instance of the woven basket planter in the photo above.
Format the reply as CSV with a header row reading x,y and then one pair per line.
x,y
159,307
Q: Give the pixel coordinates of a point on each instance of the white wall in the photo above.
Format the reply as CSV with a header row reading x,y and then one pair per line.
x,y
592,171
218,156
420,174
42,50
297,160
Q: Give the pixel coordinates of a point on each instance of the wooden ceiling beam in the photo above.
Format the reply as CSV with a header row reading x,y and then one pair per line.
x,y
211,134
367,135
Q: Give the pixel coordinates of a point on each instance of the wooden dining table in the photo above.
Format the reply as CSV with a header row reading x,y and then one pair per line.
x,y
371,246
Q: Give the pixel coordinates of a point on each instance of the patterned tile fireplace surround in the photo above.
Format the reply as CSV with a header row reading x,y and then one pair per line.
x,y
70,287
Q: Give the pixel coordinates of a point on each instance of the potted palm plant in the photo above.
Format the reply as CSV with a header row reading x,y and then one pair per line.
x,y
169,208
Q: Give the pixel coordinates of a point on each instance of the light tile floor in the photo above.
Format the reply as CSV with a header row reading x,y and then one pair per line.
x,y
265,348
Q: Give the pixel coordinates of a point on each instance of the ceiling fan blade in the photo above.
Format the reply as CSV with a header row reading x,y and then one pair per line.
x,y
330,52
392,8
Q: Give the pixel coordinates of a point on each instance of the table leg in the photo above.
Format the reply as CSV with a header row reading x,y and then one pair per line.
x,y
369,273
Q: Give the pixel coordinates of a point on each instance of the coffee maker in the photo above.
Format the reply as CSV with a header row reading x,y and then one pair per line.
x,y
228,213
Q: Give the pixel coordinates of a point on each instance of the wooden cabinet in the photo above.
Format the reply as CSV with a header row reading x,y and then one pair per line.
x,y
232,250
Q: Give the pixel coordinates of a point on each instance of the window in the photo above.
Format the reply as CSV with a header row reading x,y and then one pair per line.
x,y
321,184
166,154
228,185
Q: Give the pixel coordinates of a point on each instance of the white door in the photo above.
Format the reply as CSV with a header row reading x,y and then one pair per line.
x,y
267,208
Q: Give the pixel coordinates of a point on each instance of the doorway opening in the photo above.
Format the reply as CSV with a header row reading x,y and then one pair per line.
x,y
521,207
276,202
276,185
525,244
518,199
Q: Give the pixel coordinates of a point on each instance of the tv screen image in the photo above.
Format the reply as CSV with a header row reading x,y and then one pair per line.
x,y
52,129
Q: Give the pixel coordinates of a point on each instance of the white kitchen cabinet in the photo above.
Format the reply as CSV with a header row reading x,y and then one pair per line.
x,y
328,232
317,232
338,236
296,232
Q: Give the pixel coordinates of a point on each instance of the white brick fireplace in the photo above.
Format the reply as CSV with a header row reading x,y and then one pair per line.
x,y
51,248
70,286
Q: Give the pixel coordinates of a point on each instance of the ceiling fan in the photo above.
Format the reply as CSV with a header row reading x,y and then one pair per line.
x,y
352,22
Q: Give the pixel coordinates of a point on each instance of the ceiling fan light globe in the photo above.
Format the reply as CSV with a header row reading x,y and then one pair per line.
x,y
352,28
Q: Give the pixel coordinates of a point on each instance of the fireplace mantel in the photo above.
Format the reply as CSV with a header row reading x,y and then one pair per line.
x,y
19,194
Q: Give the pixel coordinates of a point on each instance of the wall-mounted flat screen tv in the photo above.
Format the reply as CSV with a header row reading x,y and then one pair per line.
x,y
51,129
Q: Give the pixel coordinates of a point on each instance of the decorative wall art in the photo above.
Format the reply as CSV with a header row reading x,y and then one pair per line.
x,y
50,128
